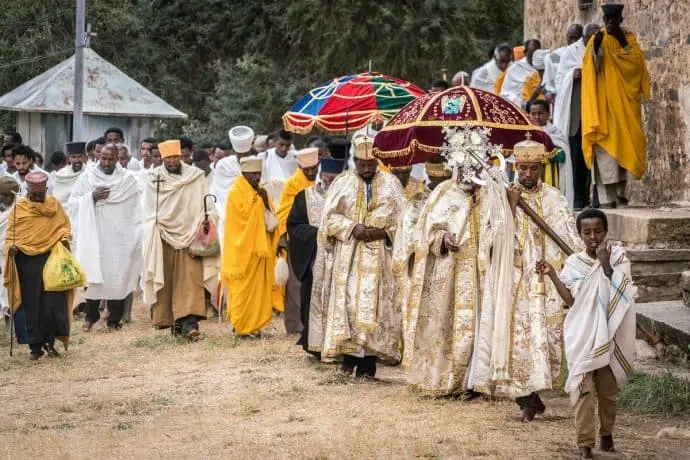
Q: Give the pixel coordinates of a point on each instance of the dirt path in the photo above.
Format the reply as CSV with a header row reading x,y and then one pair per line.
x,y
140,394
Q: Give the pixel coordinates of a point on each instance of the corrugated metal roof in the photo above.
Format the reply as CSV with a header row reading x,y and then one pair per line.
x,y
107,91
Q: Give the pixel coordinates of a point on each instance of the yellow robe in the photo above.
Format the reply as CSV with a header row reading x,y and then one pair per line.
x,y
295,184
248,260
612,103
37,227
498,86
532,83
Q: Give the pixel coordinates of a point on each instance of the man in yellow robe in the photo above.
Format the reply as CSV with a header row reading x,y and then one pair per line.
x,y
537,320
359,222
304,176
614,81
36,224
248,251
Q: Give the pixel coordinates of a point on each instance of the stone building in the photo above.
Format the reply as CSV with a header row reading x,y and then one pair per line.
x,y
662,29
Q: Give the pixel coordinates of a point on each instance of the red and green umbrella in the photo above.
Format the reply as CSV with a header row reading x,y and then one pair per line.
x,y
415,134
349,103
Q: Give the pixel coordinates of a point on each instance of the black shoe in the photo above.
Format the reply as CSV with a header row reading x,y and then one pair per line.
x,y
52,352
36,355
114,326
606,444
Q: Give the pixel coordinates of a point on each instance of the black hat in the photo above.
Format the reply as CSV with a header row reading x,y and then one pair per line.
x,y
339,148
76,148
612,9
332,165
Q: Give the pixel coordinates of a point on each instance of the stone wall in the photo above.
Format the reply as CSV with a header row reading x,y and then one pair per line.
x,y
662,29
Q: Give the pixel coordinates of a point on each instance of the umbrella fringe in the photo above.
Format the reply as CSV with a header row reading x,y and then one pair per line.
x,y
414,145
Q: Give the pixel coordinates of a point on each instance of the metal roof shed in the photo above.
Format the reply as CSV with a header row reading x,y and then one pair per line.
x,y
111,98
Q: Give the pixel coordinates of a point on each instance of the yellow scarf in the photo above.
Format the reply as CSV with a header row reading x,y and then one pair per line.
x,y
38,227
245,231
611,103
292,187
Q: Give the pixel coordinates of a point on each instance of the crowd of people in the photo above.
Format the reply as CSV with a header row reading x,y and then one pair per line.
x,y
439,268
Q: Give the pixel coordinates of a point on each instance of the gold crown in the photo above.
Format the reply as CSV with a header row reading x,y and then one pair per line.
x,y
529,152
437,170
364,147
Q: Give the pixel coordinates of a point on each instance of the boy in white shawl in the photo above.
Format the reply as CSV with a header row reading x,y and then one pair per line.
x,y
599,330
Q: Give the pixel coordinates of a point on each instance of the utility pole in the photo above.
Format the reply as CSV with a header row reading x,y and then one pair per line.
x,y
78,133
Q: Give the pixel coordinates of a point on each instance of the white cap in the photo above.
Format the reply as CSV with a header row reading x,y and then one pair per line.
x,y
241,138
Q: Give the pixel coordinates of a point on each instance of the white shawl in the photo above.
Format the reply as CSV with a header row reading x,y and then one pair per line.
x,y
551,62
571,59
4,218
64,181
276,168
514,82
108,232
180,212
599,329
225,173
485,76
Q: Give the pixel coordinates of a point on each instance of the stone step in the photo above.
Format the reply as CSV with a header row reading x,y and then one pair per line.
x,y
664,228
657,261
669,320
685,287
658,287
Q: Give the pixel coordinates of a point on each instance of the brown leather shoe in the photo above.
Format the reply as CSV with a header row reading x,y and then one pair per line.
x,y
586,452
194,335
606,444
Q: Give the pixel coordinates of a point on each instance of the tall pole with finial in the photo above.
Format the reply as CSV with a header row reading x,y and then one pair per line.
x,y
78,133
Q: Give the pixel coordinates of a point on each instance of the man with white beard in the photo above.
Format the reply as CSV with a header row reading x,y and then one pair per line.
x,y
107,203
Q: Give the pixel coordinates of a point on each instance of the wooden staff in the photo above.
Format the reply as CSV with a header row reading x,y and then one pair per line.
x,y
541,223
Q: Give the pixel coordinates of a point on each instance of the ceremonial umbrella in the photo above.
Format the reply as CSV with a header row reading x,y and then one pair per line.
x,y
415,133
349,103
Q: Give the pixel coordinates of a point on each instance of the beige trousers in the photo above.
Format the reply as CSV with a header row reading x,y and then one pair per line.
x,y
183,288
603,381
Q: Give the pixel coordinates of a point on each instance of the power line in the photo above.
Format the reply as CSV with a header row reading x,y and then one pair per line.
x,y
34,59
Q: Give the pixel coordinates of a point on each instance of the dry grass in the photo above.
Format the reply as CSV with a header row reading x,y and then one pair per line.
x,y
140,393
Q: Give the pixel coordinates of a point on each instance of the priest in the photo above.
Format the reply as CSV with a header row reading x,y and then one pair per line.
x,y
227,170
248,253
65,178
615,80
359,223
173,279
36,224
302,227
456,326
303,177
537,329
106,205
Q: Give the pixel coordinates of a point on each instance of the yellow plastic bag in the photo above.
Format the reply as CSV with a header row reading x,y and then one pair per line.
x,y
61,271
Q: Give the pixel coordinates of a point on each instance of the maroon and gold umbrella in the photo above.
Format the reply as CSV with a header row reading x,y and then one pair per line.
x,y
415,133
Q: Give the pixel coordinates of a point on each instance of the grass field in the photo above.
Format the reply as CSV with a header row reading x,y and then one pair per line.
x,y
139,393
